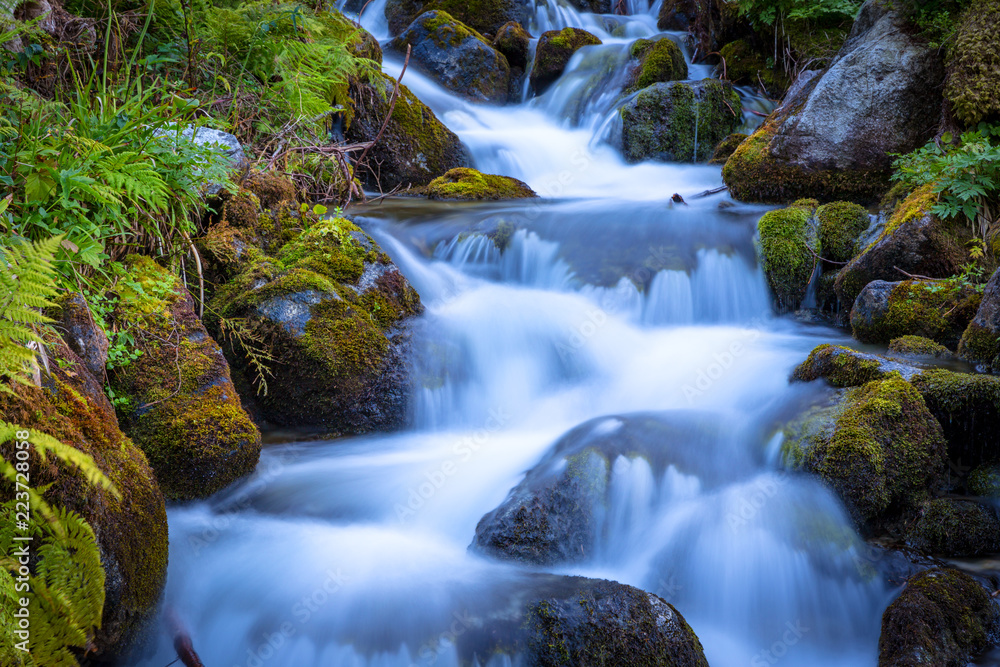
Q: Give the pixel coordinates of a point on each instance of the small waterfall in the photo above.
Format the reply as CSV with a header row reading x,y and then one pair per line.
x,y
670,299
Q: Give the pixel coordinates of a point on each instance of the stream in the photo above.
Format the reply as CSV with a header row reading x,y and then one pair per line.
x,y
608,301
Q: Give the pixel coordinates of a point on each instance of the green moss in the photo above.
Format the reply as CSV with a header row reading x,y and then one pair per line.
x,y
915,206
745,66
985,481
939,310
359,42
503,234
270,188
514,42
660,60
955,529
726,148
979,344
973,62
329,248
444,30
840,225
841,367
754,174
486,16
919,346
468,184
554,50
968,408
788,247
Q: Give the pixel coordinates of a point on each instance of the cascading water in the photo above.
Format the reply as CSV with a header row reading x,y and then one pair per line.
x,y
607,301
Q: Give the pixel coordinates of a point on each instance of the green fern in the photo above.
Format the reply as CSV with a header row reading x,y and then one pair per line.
x,y
66,598
27,282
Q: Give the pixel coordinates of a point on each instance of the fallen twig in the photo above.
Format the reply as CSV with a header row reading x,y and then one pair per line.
x,y
709,193
916,277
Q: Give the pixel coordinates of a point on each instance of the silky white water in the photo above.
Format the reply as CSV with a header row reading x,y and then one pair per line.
x,y
609,300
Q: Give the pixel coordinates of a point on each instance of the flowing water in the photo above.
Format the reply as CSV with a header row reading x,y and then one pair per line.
x,y
609,300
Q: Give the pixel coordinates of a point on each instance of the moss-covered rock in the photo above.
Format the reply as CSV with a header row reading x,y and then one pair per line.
x,y
915,241
456,56
269,188
968,408
484,16
726,148
918,346
468,184
746,66
181,406
333,310
943,617
659,61
937,310
788,245
981,340
553,53
880,449
840,225
679,122
709,22
415,148
973,86
131,530
955,529
985,481
834,138
360,42
844,367
514,42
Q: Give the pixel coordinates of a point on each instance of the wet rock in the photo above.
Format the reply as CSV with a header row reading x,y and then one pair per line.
x,y
179,403
788,245
78,328
918,346
746,66
936,310
485,16
943,617
841,224
955,529
334,310
577,621
844,367
514,42
415,148
553,53
834,139
131,530
459,58
726,148
981,340
703,19
913,240
879,448
679,122
556,514
658,61
468,184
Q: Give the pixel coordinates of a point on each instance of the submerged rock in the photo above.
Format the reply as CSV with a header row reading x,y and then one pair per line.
x,y
180,405
416,146
459,58
834,138
936,310
679,122
468,184
131,530
955,529
879,448
981,340
553,53
943,617
788,245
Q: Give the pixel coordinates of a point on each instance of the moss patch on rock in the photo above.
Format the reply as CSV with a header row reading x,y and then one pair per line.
x,y
981,341
484,16
270,189
726,148
468,184
788,246
844,367
660,61
940,311
973,83
514,42
746,66
840,225
918,346
554,50
955,529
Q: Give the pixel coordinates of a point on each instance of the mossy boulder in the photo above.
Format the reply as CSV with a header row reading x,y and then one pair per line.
x,y
468,184
415,148
709,22
937,310
131,530
553,620
333,310
985,481
879,448
913,240
553,53
918,346
679,122
840,226
658,61
484,16
270,189
788,245
78,328
955,529
554,515
943,618
726,148
973,86
843,367
968,408
746,66
457,57
981,340
514,42
179,403
360,42
835,137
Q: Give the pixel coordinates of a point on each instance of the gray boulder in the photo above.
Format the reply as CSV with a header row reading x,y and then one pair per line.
x,y
459,58
981,340
834,138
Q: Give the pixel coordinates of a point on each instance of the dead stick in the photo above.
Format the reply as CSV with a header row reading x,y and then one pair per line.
x,y
182,641
915,277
